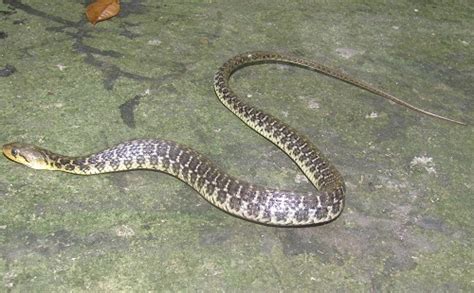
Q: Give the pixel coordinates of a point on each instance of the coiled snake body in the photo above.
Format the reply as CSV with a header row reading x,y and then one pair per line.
x,y
242,199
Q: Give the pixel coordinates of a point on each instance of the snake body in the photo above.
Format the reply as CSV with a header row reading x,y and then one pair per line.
x,y
239,198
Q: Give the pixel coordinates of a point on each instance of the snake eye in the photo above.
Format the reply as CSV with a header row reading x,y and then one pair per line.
x,y
14,152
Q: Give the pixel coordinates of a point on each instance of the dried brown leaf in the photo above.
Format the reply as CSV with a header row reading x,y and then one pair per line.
x,y
102,9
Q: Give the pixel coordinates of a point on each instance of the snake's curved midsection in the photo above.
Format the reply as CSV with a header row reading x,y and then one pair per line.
x,y
286,207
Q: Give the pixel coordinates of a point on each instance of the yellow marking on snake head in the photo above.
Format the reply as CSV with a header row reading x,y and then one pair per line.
x,y
27,154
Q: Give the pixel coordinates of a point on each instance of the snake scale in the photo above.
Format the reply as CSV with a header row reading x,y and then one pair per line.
x,y
242,199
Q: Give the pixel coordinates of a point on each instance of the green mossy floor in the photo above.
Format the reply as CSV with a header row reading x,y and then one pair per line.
x,y
75,88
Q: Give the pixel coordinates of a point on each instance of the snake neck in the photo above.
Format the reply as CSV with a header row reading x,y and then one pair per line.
x,y
130,155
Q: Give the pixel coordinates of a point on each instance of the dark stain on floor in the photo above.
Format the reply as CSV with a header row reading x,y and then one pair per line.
x,y
7,70
127,111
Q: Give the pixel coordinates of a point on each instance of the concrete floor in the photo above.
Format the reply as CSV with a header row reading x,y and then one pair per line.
x,y
75,88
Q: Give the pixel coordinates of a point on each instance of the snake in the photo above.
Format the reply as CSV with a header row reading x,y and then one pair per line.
x,y
260,204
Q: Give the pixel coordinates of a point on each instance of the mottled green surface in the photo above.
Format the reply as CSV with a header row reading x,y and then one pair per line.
x,y
148,73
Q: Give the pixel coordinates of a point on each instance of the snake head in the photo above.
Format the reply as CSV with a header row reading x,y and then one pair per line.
x,y
27,154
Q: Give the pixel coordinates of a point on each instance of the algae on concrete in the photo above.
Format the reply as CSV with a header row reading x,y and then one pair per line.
x,y
76,88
